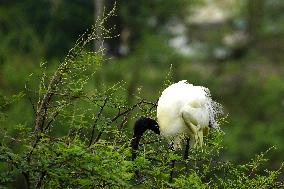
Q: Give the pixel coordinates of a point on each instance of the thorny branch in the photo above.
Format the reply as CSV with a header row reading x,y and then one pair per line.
x,y
51,120
124,113
42,104
29,97
63,68
96,120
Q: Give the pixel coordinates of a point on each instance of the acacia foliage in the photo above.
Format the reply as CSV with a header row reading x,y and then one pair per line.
x,y
92,149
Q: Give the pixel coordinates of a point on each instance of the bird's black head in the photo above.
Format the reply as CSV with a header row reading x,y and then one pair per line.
x,y
144,123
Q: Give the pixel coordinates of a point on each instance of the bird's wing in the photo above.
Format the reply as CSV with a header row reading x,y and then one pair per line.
x,y
197,121
196,115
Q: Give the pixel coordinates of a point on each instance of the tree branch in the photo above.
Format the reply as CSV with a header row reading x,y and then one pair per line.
x,y
119,114
96,120
30,99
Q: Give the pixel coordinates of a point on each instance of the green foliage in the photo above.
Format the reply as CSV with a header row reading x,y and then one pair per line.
x,y
75,164
94,151
78,136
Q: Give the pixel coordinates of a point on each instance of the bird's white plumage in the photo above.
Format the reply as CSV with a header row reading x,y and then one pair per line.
x,y
185,110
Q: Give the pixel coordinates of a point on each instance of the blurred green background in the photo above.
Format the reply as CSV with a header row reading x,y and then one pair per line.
x,y
233,47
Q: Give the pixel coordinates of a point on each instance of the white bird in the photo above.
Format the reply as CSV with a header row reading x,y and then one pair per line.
x,y
183,111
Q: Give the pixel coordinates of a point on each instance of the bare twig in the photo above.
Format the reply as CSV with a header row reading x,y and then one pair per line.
x,y
42,104
119,114
30,99
96,120
124,121
52,119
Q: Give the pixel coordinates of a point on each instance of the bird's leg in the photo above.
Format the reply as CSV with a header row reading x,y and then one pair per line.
x,y
172,164
185,156
172,170
173,147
